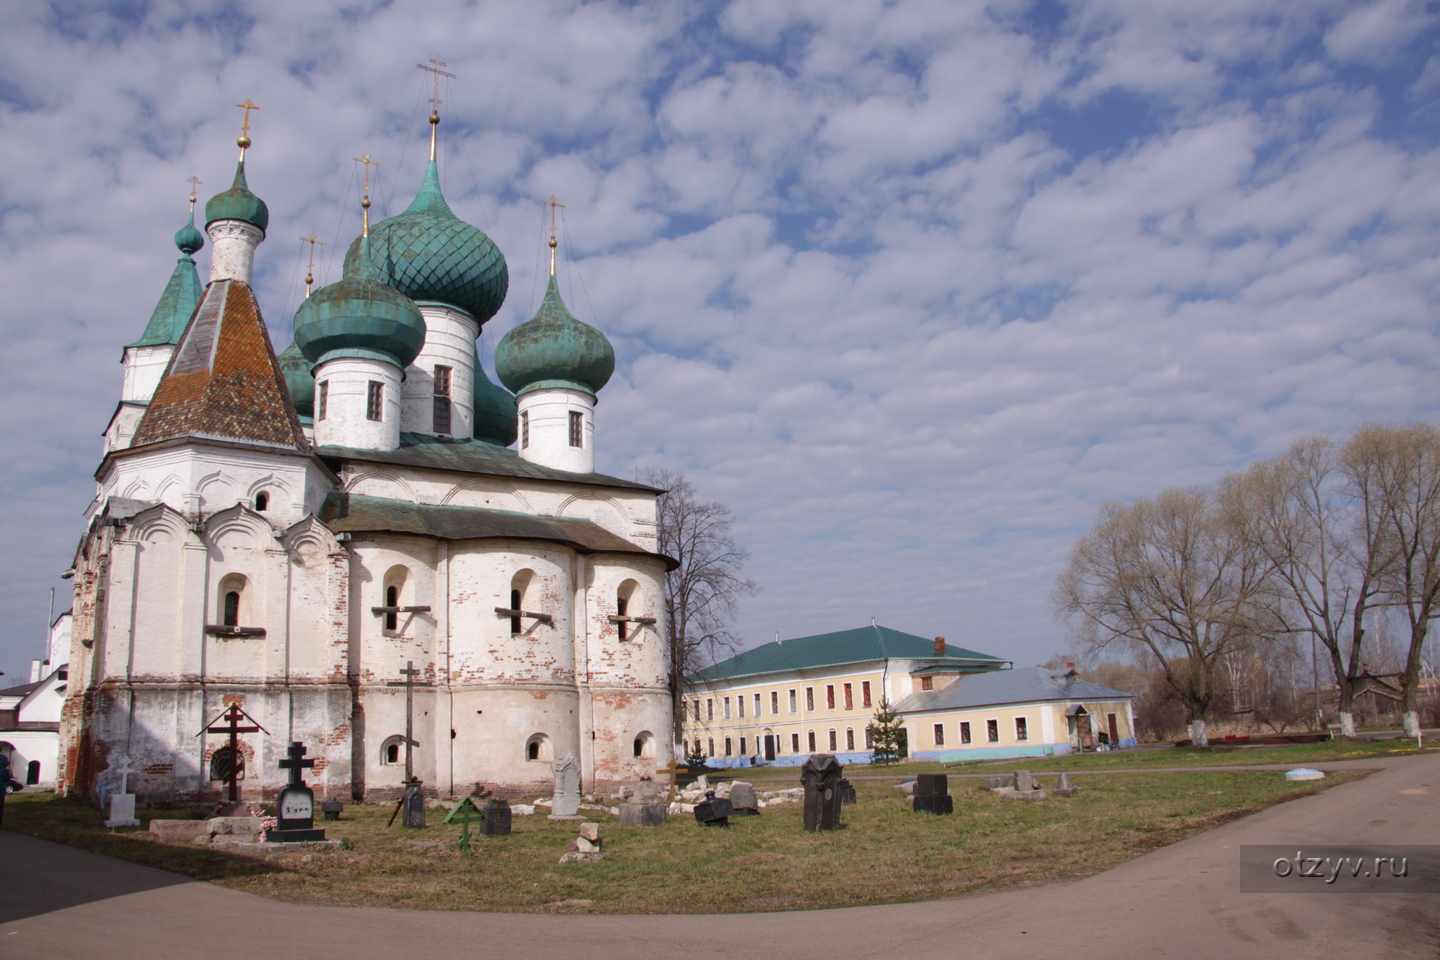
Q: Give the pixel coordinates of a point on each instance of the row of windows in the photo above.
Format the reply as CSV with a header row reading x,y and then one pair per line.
x,y
537,748
577,429
375,400
992,732
775,743
758,701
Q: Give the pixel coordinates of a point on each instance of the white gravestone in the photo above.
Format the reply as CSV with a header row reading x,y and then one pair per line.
x,y
566,802
122,804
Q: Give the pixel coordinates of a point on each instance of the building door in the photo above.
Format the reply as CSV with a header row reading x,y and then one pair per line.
x,y
32,772
769,747
1114,730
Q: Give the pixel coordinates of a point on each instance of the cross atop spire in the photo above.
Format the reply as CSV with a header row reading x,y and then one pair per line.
x,y
310,269
194,182
365,200
435,100
243,141
553,203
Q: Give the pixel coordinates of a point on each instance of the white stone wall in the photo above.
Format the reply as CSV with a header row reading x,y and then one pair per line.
x,y
346,422
144,366
548,413
232,249
449,341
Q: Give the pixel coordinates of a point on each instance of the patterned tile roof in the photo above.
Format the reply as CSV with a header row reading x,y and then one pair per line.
x,y
845,646
224,380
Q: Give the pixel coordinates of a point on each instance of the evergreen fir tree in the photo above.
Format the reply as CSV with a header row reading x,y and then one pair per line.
x,y
887,735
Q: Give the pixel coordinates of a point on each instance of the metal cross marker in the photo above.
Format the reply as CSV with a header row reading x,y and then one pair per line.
x,y
232,717
310,268
409,683
194,182
295,764
465,813
435,100
244,139
365,199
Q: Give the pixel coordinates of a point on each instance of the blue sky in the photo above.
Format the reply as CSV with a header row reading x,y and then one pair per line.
x,y
914,287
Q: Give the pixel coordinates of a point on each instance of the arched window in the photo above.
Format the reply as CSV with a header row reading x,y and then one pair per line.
x,y
222,761
625,605
396,580
519,587
849,738
538,748
832,741
729,747
392,751
234,601
262,501
710,747
644,744
32,772
684,748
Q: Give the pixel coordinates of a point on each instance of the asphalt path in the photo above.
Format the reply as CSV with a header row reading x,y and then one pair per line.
x,y
1183,901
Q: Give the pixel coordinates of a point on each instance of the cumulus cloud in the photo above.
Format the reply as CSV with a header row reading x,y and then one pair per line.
x,y
913,286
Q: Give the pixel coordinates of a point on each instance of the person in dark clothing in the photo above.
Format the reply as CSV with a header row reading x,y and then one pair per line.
x,y
7,783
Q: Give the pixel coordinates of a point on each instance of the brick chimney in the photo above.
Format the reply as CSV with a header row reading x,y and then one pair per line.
x,y
939,646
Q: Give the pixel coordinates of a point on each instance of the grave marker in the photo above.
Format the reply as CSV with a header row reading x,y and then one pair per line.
x,y
465,813
295,805
122,804
565,803
231,717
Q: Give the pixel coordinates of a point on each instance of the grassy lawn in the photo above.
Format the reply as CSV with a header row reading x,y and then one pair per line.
x,y
885,854
1297,754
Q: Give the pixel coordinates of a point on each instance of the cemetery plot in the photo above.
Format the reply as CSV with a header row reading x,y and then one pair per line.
x,y
884,852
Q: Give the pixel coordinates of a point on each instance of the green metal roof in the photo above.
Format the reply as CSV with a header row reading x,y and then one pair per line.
x,y
496,418
845,646
553,347
238,203
298,379
428,253
177,303
360,316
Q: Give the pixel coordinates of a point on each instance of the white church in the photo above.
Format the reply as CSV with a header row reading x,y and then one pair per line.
x,y
287,533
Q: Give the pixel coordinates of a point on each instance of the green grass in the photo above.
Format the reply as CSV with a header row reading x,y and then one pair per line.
x,y
885,853
1218,755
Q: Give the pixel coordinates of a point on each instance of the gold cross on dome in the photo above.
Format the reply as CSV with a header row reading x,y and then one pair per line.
x,y
553,203
438,63
247,106
368,164
194,182
310,270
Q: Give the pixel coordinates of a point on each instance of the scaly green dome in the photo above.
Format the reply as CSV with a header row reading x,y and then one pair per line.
x,y
238,203
182,293
552,348
428,253
496,419
360,317
299,379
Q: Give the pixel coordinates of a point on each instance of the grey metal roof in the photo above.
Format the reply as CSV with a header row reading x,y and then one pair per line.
x,y
350,513
471,456
1021,685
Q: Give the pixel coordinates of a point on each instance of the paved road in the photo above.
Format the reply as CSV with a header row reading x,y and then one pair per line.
x,y
1180,902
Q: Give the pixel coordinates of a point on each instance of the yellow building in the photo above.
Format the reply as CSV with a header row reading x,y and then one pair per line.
x,y
783,701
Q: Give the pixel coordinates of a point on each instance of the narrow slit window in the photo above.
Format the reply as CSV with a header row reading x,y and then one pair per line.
x,y
375,402
622,603
515,598
323,400
232,608
392,599
524,429
442,400
577,428
262,502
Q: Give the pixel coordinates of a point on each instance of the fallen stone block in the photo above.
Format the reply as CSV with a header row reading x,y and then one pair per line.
x,y
642,814
1009,793
907,786
181,831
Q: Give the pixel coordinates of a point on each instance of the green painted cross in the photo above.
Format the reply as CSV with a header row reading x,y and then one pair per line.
x,y
465,813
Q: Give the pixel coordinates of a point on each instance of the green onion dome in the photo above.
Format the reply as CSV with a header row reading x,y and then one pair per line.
x,y
360,317
172,314
428,253
299,379
237,203
188,239
496,420
553,349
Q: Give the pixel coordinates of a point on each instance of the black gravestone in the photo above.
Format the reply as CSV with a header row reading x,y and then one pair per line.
x,y
413,805
497,818
332,808
296,803
932,794
821,778
713,812
847,791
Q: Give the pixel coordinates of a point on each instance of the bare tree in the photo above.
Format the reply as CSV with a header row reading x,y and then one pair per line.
x,y
1326,556
1396,471
1176,579
702,592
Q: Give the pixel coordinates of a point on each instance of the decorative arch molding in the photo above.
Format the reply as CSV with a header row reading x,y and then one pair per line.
x,y
269,485
473,493
158,524
137,490
380,483
603,511
215,488
166,488
309,537
239,526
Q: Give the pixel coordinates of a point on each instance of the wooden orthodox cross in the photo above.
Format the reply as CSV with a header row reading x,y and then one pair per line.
x,y
465,813
232,717
409,683
674,770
